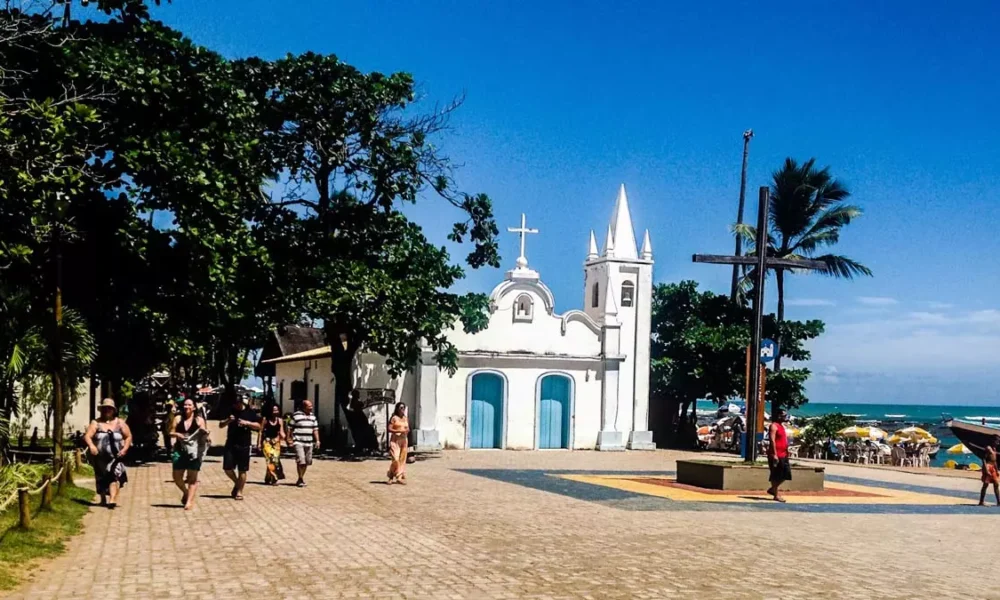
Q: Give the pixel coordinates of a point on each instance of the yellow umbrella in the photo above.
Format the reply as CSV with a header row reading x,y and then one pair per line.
x,y
959,449
871,433
896,439
914,433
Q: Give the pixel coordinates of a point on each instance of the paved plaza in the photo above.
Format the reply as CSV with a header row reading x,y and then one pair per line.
x,y
546,525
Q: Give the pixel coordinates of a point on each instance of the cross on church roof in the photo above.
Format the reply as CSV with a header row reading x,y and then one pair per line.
x,y
522,262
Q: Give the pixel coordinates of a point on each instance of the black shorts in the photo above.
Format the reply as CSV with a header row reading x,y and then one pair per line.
x,y
236,459
781,469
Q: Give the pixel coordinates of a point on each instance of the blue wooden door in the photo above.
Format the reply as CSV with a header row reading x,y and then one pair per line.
x,y
553,412
486,411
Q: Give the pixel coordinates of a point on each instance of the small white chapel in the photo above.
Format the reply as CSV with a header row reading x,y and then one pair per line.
x,y
534,378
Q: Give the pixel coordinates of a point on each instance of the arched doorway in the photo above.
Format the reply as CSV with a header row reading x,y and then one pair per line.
x,y
486,416
555,395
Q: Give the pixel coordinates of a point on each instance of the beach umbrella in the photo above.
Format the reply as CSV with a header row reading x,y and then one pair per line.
x,y
914,433
862,433
959,449
896,439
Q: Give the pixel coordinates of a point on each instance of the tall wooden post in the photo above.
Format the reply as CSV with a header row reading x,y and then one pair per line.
x,y
762,263
763,205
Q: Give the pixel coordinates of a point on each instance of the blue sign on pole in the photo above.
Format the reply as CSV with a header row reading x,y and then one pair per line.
x,y
768,350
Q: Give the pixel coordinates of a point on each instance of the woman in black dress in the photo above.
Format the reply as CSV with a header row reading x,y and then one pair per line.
x,y
190,439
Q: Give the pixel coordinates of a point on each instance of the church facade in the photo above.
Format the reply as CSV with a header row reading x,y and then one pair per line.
x,y
537,379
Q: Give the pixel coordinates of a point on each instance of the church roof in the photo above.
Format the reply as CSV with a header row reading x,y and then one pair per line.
x,y
287,341
621,228
321,352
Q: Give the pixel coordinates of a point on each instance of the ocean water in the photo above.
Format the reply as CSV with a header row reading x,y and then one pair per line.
x,y
896,416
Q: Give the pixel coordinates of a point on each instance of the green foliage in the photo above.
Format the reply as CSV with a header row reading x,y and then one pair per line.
x,y
825,427
50,530
699,342
807,214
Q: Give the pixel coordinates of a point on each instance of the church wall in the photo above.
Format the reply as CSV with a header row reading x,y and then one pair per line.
x,y
542,335
521,405
319,373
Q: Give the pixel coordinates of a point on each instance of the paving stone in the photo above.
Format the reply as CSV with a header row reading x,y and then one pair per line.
x,y
453,534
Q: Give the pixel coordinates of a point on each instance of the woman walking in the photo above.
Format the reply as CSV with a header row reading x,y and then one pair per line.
x,y
272,434
108,438
190,435
990,474
399,429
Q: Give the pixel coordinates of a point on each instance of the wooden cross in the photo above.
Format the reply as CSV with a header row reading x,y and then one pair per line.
x,y
763,263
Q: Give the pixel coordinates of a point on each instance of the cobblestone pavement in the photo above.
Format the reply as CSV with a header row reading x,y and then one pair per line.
x,y
451,534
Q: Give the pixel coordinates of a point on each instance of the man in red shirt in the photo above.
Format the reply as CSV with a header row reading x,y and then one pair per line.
x,y
777,454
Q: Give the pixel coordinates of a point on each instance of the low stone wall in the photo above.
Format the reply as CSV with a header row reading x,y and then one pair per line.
x,y
739,476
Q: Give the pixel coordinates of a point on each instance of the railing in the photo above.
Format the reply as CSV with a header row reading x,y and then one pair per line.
x,y
23,495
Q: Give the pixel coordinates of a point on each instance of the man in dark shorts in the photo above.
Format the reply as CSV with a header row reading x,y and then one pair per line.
x,y
236,457
777,454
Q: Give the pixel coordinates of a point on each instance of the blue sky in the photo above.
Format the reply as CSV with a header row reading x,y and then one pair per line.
x,y
565,100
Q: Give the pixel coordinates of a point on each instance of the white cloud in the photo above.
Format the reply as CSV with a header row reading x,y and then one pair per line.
x,y
830,375
915,342
940,305
991,316
877,301
809,302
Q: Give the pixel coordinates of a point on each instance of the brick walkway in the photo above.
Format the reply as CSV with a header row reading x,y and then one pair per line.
x,y
450,534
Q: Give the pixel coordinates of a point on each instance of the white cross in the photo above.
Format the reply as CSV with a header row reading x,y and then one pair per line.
x,y
523,229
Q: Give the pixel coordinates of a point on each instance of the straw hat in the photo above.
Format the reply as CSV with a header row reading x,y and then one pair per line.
x,y
108,403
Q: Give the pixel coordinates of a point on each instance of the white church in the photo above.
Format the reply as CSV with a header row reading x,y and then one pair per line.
x,y
534,378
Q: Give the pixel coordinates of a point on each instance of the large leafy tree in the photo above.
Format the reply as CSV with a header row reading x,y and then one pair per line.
x,y
698,351
350,154
808,211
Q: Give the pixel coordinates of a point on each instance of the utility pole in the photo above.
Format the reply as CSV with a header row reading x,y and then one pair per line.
x,y
739,213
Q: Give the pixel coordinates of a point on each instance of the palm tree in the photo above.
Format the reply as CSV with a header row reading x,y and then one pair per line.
x,y
807,213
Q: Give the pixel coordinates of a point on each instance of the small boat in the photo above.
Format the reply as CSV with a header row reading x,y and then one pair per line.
x,y
975,437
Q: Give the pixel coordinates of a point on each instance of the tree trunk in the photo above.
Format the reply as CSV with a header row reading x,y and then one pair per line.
x,y
344,348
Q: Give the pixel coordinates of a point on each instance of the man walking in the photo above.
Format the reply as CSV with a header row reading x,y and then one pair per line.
x,y
305,437
236,456
777,454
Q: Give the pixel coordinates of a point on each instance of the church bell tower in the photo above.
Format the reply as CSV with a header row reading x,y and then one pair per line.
x,y
618,293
